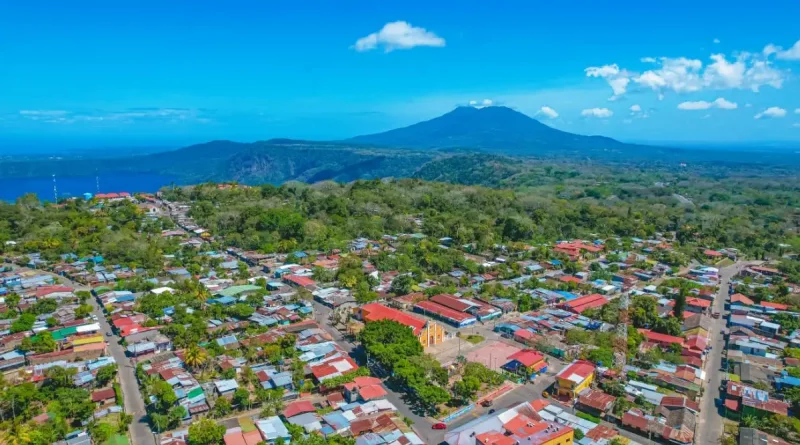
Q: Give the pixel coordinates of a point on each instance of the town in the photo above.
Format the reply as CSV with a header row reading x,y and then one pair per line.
x,y
407,337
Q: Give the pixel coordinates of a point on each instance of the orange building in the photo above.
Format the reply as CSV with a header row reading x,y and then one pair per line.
x,y
428,333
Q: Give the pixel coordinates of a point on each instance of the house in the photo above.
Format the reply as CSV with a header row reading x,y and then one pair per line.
x,y
364,389
429,333
226,388
300,281
527,360
525,430
662,340
752,436
240,438
741,300
297,408
273,429
697,305
677,428
595,402
574,378
104,397
745,400
580,304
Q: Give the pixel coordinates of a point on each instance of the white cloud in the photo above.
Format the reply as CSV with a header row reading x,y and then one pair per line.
x,y
597,112
616,78
792,53
797,111
707,116
547,111
720,103
481,104
796,125
679,74
724,104
698,105
635,108
170,115
36,114
771,112
398,35
716,40
686,75
748,105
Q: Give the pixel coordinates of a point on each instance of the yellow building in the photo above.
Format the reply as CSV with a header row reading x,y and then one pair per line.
x,y
429,333
576,377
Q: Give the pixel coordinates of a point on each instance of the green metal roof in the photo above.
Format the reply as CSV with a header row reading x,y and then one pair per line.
x,y
236,290
64,333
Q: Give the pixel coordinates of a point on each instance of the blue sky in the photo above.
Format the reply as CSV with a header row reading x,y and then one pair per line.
x,y
156,72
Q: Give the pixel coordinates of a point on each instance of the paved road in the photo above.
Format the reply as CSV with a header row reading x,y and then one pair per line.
x,y
422,425
134,404
709,421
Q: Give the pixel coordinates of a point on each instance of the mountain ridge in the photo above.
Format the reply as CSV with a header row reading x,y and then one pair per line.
x,y
496,128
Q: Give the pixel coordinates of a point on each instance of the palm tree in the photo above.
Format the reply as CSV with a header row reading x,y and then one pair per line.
x,y
195,356
18,434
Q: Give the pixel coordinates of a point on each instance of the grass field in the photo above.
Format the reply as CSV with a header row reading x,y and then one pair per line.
x,y
475,339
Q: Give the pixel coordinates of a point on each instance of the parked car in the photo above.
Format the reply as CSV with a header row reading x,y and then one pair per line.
x,y
491,411
109,334
439,426
486,403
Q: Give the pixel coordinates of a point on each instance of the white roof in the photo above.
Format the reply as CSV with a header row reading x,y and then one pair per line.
x,y
161,290
88,327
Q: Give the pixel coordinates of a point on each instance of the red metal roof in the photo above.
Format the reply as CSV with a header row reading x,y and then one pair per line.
x,y
581,368
450,301
494,438
709,252
528,357
776,306
655,337
596,399
299,407
300,281
698,302
103,394
377,312
438,309
580,304
47,290
523,333
236,438
739,298
371,392
732,405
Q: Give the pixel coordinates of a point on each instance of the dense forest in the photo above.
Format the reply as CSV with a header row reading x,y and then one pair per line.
x,y
756,215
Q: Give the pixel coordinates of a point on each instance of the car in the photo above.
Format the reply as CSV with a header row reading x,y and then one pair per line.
x,y
439,426
486,403
109,334
491,411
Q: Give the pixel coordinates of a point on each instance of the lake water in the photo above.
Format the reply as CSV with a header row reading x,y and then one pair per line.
x,y
68,187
